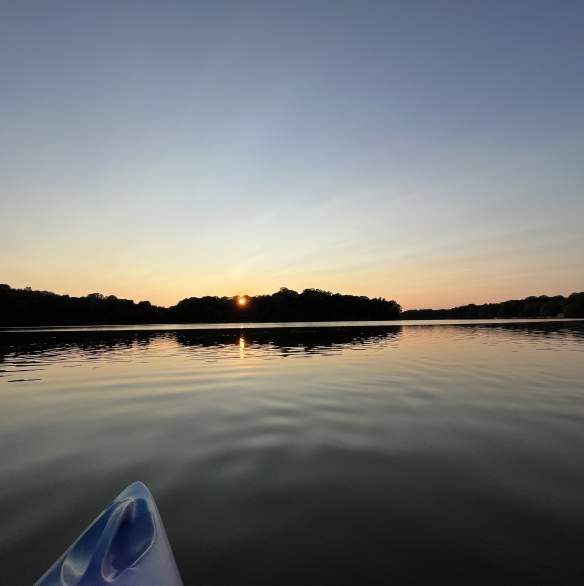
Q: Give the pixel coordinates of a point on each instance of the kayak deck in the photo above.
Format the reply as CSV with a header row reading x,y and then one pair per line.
x,y
126,545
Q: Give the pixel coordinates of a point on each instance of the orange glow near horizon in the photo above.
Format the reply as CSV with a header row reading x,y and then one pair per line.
x,y
242,301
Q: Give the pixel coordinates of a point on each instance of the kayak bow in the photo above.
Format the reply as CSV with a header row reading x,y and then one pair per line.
x,y
126,545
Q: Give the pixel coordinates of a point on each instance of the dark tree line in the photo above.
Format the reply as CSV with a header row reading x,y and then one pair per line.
x,y
25,307
285,305
530,307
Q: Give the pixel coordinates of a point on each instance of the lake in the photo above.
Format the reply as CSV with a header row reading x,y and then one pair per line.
x,y
350,454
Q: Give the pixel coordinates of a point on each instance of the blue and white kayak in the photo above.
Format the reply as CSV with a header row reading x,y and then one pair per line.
x,y
126,545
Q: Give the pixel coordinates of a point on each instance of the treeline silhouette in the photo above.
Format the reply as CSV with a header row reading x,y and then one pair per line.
x,y
286,305
25,307
530,307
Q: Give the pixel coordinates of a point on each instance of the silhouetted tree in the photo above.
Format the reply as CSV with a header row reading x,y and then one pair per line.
x,y
574,305
25,307
22,307
530,307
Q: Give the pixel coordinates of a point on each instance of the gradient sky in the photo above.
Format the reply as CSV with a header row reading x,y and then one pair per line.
x,y
431,152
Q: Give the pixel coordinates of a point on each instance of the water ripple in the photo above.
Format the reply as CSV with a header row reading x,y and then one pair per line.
x,y
433,453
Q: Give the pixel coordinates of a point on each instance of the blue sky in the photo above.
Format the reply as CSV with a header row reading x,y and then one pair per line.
x,y
431,152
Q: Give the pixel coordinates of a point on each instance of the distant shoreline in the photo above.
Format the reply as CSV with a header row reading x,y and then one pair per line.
x,y
21,308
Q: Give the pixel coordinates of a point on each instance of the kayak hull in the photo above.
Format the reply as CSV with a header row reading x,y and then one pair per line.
x,y
126,545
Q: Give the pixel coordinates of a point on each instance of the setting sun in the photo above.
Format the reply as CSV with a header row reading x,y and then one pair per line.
x,y
242,301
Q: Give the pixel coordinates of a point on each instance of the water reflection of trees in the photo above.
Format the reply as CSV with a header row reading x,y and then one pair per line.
x,y
541,329
93,344
54,345
308,339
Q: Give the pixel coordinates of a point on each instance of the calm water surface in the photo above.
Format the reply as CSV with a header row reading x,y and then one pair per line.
x,y
442,454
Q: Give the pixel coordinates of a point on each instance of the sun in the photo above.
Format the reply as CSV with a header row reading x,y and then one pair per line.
x,y
242,301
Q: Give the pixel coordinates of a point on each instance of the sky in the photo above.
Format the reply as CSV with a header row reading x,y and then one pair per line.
x,y
430,152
